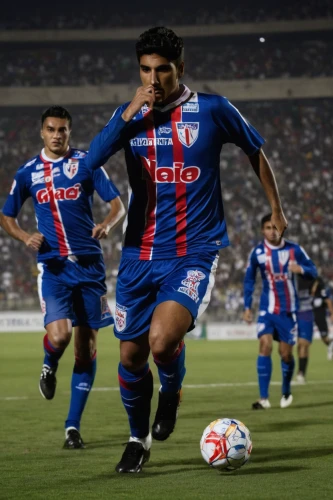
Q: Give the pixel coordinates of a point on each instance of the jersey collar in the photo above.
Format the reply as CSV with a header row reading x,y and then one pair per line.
x,y
273,247
46,159
183,97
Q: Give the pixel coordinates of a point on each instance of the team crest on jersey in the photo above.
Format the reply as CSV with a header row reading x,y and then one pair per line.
x,y
191,284
120,317
71,168
187,133
283,257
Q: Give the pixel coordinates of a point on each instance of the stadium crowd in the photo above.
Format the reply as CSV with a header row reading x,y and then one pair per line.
x,y
131,13
216,58
299,145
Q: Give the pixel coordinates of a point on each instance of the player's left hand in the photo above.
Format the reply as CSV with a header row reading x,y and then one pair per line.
x,y
279,221
99,232
295,268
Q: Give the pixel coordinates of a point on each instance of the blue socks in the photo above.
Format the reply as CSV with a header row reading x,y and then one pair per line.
x,y
287,374
264,370
136,391
52,354
82,381
173,372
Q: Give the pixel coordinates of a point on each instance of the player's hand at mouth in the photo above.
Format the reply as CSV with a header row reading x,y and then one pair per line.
x,y
143,95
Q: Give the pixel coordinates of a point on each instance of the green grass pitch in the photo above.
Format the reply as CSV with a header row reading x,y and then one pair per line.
x,y
292,448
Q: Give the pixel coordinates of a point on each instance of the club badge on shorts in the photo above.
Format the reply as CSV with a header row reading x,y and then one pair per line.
x,y
120,317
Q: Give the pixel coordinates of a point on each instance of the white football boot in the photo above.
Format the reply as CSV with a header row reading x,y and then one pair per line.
x,y
286,401
300,379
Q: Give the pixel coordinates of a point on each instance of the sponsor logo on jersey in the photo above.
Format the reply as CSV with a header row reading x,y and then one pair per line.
x,y
120,317
191,107
40,166
177,173
71,193
12,189
191,284
164,130
158,141
37,178
71,168
283,257
79,154
30,163
187,133
277,277
145,109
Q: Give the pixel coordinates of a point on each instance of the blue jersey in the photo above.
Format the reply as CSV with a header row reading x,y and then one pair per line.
x,y
173,163
62,192
279,292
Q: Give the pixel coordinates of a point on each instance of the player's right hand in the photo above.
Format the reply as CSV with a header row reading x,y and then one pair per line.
x,y
248,316
35,241
143,95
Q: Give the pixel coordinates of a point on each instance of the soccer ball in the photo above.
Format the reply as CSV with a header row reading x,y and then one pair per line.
x,y
226,444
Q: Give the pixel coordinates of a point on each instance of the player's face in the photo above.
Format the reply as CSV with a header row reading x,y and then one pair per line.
x,y
271,234
55,134
162,74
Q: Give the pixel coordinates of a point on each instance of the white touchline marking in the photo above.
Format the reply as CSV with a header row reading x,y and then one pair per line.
x,y
185,386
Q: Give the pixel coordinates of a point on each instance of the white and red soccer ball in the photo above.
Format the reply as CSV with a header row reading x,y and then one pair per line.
x,y
226,444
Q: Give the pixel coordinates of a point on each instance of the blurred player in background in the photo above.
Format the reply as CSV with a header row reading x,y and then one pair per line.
x,y
172,139
279,260
314,303
305,323
322,304
71,281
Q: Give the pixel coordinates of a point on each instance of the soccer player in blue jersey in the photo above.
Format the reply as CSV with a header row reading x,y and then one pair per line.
x,y
172,138
279,261
71,278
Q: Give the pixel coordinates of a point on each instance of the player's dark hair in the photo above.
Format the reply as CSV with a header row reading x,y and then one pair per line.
x,y
161,41
57,112
266,218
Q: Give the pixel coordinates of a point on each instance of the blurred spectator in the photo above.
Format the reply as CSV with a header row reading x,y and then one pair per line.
x,y
215,58
102,14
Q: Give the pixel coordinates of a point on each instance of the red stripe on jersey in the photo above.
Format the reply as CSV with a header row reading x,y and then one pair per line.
x,y
181,204
270,271
286,290
146,247
58,225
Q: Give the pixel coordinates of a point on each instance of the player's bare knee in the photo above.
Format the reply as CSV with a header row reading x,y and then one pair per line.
x,y
265,347
60,339
163,349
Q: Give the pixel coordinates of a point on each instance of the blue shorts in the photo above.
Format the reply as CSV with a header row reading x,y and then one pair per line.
x,y
305,325
143,284
282,326
75,291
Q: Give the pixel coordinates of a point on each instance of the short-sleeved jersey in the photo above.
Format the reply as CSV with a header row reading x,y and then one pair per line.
x,y
173,163
62,192
279,292
304,287
321,294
